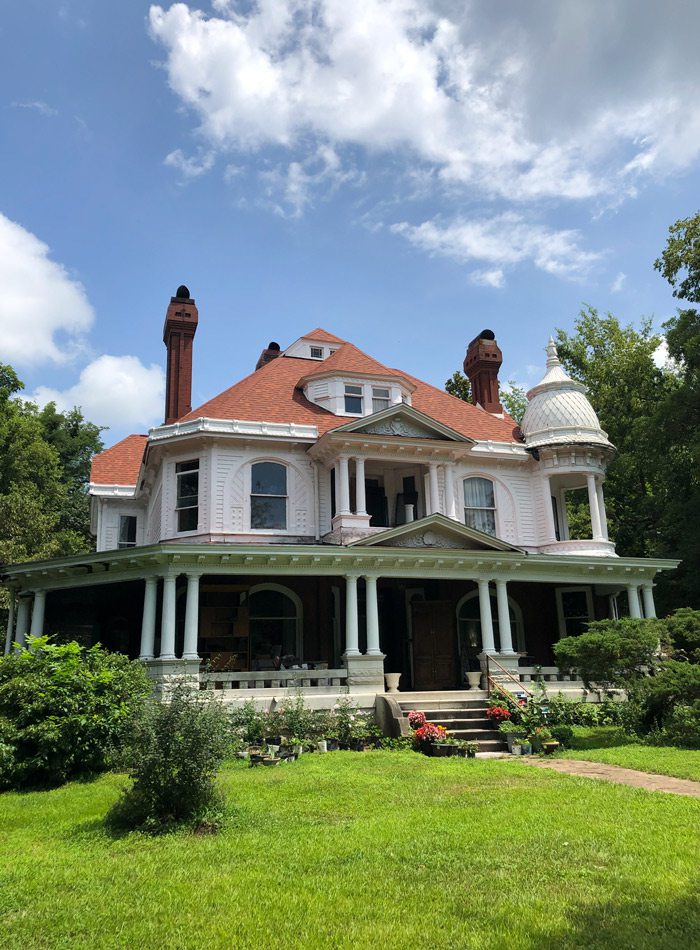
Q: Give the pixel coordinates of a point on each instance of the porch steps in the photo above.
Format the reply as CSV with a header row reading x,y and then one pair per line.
x,y
463,719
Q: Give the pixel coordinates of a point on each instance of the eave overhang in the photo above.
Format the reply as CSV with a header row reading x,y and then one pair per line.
x,y
468,538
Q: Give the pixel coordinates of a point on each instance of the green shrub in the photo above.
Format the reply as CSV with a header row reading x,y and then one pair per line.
x,y
612,652
683,628
598,737
574,713
680,728
177,748
656,697
563,734
65,711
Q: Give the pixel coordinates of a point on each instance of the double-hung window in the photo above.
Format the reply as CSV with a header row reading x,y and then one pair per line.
x,y
127,531
187,475
479,505
353,399
380,398
316,352
268,496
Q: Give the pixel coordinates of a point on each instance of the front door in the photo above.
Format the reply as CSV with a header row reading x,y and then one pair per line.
x,y
434,646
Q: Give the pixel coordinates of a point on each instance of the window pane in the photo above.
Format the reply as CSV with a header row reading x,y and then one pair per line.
x,y
187,489
353,404
380,392
481,519
271,603
187,519
269,478
574,603
190,466
380,398
353,390
268,512
478,493
127,531
316,352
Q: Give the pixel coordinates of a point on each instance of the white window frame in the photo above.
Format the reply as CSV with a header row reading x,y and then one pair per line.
x,y
467,508
179,508
560,591
385,400
353,395
122,546
316,352
252,494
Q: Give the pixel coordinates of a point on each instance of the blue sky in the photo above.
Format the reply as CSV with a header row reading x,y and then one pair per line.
x,y
403,173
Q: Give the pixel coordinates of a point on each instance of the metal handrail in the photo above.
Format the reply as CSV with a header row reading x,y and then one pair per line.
x,y
503,669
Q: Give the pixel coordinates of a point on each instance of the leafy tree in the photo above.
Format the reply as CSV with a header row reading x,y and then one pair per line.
x,y
682,257
65,711
683,628
513,398
458,385
611,652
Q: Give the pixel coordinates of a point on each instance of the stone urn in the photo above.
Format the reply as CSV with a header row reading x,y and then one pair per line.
x,y
392,682
474,679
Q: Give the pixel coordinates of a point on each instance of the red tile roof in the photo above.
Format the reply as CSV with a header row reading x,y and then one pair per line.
x,y
119,465
348,359
322,336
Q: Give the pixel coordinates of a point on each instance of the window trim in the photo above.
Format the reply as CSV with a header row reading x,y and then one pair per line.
x,y
383,399
353,395
124,545
252,494
178,506
466,508
577,588
316,352
517,626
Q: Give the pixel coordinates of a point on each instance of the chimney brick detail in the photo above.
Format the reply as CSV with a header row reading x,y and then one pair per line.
x,y
481,364
179,329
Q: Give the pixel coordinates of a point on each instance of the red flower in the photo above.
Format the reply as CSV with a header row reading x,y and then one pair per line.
x,y
498,713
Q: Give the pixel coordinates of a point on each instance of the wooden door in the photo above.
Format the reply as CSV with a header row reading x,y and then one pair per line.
x,y
434,645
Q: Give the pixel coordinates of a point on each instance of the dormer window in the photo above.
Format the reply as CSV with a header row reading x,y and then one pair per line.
x,y
316,352
353,399
380,399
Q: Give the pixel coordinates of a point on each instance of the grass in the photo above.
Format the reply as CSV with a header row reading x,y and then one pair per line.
x,y
361,850
664,760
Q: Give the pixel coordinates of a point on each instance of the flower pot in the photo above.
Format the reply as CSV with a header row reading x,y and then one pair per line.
x,y
526,748
474,679
271,760
516,749
332,745
322,745
297,749
392,682
471,753
550,747
273,740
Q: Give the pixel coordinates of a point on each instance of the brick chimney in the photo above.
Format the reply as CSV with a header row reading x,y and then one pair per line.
x,y
481,364
270,353
178,333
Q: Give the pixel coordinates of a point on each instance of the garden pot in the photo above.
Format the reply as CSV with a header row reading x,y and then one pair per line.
x,y
359,745
332,745
273,740
271,760
516,750
471,753
550,747
526,749
297,750
322,745
272,749
474,679
392,682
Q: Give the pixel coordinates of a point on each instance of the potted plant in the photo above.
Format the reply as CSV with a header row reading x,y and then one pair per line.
x,y
322,745
516,746
466,748
538,737
425,736
512,730
498,713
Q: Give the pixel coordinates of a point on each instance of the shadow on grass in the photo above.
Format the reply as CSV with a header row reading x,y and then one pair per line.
x,y
637,923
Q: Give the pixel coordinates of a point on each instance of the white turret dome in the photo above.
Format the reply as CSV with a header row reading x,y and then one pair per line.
x,y
558,412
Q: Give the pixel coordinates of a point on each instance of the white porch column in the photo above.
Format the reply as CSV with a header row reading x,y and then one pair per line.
x,y
434,488
551,529
504,619
487,642
167,625
360,500
148,623
10,623
191,618
601,508
22,626
372,607
593,505
633,600
648,597
451,506
37,627
351,631
344,490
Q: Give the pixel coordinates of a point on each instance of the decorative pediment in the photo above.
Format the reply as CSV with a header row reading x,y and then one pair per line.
x,y
402,421
436,531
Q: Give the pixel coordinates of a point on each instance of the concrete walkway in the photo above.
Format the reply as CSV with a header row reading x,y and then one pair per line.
x,y
615,773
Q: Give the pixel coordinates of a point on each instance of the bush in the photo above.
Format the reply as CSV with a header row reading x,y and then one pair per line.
x,y
598,737
612,652
680,728
177,748
563,734
667,704
65,711
683,628
573,713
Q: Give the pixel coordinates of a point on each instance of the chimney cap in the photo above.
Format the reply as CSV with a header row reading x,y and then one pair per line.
x,y
487,335
273,346
182,293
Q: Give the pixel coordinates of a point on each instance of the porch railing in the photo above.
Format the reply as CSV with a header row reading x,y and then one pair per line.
x,y
510,677
274,679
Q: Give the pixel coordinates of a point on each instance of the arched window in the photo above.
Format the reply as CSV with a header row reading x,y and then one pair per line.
x,y
268,496
275,625
469,626
480,505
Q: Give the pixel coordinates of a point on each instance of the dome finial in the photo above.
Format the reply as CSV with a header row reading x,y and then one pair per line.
x,y
552,355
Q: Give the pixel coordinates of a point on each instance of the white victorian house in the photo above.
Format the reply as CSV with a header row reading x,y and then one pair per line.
x,y
330,518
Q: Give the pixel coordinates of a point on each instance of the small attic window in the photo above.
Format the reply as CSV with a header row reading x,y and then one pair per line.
x,y
316,352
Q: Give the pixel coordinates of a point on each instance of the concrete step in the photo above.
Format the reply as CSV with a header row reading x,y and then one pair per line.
x,y
451,696
458,723
443,705
438,715
479,735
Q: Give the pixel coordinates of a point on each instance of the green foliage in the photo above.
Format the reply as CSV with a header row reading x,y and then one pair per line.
x,y
65,711
512,397
683,628
566,712
612,652
458,385
177,748
681,258
656,698
597,737
563,734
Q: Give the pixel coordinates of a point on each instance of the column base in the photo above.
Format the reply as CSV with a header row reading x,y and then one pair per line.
x,y
169,673
365,671
509,662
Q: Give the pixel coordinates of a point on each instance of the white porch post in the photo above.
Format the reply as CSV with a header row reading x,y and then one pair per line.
x,y
648,596
551,536
360,499
10,622
451,507
633,600
37,627
191,618
504,619
593,505
148,623
601,508
487,642
372,607
22,626
434,488
351,630
344,492
167,625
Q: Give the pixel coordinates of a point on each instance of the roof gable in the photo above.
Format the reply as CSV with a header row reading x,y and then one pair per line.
x,y
120,464
402,421
349,360
436,531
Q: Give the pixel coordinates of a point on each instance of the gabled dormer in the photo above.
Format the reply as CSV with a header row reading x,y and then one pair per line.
x,y
350,383
318,345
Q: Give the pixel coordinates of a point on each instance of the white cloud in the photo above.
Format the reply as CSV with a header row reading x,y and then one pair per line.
x,y
506,239
36,105
660,355
45,312
558,99
618,283
488,278
114,391
191,167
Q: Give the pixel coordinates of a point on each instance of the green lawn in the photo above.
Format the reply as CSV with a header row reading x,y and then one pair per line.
x,y
680,763
376,849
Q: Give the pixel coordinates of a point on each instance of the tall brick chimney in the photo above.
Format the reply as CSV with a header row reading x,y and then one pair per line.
x,y
271,352
178,333
481,364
